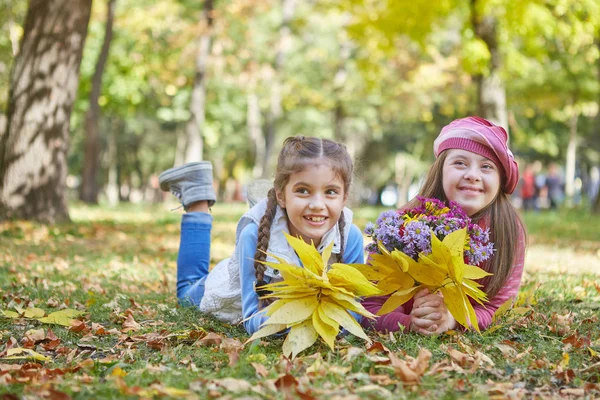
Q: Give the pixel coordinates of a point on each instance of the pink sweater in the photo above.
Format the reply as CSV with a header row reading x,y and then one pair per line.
x,y
389,322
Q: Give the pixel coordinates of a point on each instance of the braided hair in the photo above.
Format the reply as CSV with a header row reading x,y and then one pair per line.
x,y
297,153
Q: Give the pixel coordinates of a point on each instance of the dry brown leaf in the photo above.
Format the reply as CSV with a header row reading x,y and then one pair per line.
x,y
286,382
35,335
211,338
577,392
421,363
377,347
130,324
411,369
577,341
506,350
77,326
52,302
230,384
10,367
260,369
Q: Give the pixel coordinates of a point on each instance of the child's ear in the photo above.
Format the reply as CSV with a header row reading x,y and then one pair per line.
x,y
280,198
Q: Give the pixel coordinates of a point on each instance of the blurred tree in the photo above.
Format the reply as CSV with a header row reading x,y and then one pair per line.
x,y
195,125
45,75
12,14
91,163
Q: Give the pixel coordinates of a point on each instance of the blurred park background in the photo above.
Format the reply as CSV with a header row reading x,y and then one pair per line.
x,y
97,98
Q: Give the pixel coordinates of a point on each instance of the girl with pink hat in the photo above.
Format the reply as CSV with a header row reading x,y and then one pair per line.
x,y
474,168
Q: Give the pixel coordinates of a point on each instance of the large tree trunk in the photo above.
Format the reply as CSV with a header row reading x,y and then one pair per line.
x,y
339,81
275,109
491,93
91,164
194,126
44,80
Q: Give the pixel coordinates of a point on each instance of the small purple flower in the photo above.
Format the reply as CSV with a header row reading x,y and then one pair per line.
x,y
370,229
416,238
479,253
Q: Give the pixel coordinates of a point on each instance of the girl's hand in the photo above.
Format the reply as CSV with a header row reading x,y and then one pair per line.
x,y
429,315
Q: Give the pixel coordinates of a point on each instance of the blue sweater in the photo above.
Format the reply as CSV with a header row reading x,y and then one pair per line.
x,y
353,254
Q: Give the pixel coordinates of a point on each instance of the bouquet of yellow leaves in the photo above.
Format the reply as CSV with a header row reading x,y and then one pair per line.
x,y
315,300
408,255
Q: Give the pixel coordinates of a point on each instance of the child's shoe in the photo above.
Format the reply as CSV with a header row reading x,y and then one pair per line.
x,y
257,190
190,183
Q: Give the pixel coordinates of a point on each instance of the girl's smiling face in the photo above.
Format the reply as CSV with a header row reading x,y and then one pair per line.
x,y
313,199
469,179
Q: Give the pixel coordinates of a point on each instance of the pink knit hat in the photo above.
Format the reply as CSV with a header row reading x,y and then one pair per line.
x,y
480,136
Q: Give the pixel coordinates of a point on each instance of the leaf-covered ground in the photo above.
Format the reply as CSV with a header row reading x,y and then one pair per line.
x,y
132,340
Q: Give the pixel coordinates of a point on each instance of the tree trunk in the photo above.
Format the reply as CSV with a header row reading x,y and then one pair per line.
x,y
194,126
180,148
112,185
44,80
275,109
257,139
571,160
596,205
91,164
491,93
339,81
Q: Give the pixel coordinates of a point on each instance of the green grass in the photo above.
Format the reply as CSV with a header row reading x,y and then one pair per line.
x,y
112,263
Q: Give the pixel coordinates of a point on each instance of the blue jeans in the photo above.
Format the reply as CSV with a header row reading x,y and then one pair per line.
x,y
194,257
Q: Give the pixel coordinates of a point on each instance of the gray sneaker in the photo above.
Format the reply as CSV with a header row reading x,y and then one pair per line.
x,y
190,183
258,190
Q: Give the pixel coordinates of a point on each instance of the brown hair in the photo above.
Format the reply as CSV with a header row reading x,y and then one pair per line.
x,y
500,216
297,153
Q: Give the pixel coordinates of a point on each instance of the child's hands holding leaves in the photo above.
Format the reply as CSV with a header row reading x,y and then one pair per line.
x,y
429,315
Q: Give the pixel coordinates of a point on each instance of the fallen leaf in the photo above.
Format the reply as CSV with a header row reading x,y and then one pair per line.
x,y
62,317
506,349
129,324
10,314
34,313
352,353
77,326
36,335
411,369
577,341
19,353
260,369
232,384
211,338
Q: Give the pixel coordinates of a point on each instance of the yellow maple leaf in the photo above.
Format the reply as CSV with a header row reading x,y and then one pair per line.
x,y
459,285
314,301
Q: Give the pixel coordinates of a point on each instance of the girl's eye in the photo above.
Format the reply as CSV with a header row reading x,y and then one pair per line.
x,y
488,166
458,162
331,192
302,190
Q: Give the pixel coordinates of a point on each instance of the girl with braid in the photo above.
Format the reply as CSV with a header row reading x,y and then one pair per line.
x,y
307,200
